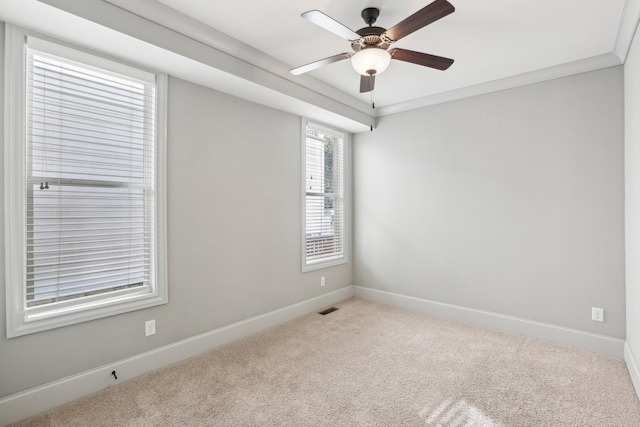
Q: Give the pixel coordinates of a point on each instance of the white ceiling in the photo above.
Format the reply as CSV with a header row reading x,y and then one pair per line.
x,y
251,45
489,39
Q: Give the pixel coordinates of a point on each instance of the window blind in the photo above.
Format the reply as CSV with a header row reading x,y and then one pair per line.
x,y
324,189
89,185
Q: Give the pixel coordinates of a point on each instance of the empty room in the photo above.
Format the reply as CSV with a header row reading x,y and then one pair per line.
x,y
362,213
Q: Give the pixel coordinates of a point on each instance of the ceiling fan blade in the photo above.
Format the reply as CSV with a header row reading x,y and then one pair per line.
x,y
425,16
330,24
320,63
432,61
367,83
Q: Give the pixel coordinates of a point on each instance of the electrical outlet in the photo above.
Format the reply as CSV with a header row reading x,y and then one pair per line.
x,y
322,281
597,314
150,327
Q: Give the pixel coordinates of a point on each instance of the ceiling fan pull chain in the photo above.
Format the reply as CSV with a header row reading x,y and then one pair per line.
x,y
373,104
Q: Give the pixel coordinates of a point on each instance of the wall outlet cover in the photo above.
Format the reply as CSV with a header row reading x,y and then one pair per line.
x,y
150,327
597,314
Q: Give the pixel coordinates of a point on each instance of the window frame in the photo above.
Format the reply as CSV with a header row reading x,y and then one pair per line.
x,y
15,115
311,265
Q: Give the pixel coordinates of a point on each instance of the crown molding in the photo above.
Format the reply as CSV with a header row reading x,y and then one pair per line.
x,y
627,29
211,58
559,71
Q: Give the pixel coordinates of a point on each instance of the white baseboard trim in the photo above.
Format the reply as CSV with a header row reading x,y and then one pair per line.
x,y
632,367
40,399
602,344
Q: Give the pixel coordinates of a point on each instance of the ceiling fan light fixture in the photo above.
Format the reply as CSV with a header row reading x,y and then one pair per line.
x,y
371,61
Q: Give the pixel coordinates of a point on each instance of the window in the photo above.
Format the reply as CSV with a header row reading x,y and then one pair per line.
x,y
324,195
85,202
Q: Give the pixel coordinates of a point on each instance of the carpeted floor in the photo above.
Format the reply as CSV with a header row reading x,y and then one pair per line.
x,y
370,365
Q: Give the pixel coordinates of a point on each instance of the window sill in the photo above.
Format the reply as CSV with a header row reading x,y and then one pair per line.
x,y
41,323
331,262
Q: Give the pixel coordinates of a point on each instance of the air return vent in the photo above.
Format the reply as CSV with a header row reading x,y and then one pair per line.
x,y
327,311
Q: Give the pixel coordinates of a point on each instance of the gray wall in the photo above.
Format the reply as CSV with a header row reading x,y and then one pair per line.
x,y
510,202
632,196
233,240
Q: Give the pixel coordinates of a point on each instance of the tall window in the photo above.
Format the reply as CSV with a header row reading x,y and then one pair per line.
x,y
324,208
89,190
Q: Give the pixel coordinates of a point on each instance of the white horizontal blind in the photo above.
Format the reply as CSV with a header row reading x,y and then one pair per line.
x,y
89,185
324,190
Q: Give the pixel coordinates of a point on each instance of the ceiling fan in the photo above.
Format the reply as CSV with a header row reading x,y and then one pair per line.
x,y
370,55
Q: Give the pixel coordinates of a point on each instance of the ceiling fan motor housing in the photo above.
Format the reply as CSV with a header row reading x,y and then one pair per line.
x,y
370,37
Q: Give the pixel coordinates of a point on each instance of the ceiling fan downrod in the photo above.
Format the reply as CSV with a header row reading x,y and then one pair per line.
x,y
370,15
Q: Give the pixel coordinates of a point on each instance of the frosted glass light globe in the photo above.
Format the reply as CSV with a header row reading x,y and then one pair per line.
x,y
371,61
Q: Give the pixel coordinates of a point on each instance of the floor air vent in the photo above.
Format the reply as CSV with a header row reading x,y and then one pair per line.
x,y
327,311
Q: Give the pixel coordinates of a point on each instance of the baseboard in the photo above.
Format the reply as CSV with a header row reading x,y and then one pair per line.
x,y
632,367
40,399
602,344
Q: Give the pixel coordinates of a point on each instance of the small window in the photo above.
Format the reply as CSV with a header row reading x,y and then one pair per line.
x,y
88,225
324,198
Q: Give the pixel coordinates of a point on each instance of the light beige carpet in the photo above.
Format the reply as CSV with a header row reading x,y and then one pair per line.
x,y
370,365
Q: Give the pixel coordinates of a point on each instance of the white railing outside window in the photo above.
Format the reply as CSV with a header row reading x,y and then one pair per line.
x,y
324,212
